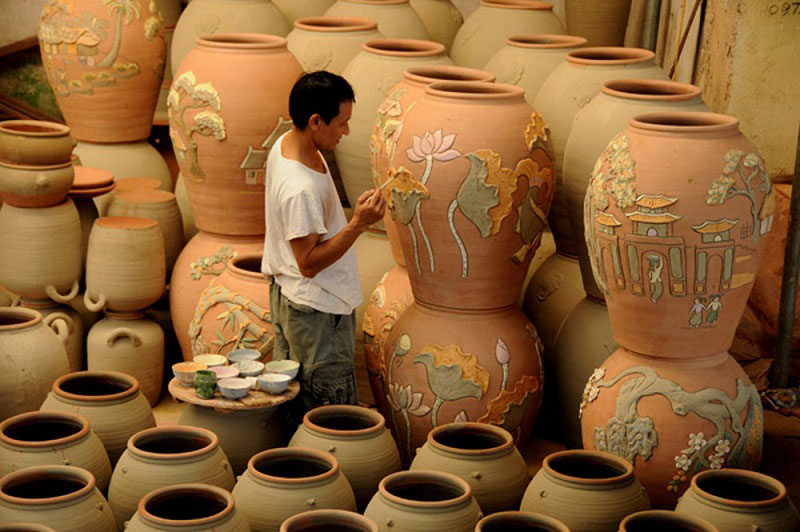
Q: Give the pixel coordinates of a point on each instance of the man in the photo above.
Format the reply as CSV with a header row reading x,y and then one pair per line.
x,y
308,244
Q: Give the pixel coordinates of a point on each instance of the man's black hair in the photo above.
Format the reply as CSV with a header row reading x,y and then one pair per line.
x,y
318,92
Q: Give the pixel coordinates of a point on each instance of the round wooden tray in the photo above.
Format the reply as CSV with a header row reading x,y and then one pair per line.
x,y
254,400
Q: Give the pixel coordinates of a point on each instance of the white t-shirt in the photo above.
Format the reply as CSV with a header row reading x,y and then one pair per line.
x,y
300,201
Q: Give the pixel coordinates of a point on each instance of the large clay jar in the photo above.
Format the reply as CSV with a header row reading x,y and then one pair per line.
x,y
520,521
329,43
189,228
602,23
63,497
125,267
482,455
32,357
35,142
396,18
294,11
410,501
202,259
359,440
24,527
665,520
740,501
670,420
41,256
188,507
100,55
209,17
110,401
171,11
130,344
233,311
56,438
35,185
326,520
441,19
485,31
162,457
293,480
75,329
586,490
679,254
375,70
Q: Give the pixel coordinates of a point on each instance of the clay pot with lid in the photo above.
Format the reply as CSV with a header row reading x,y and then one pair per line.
x,y
650,520
294,480
359,440
188,507
55,438
75,329
482,455
33,357
520,521
63,497
487,28
111,402
35,185
326,520
586,490
330,42
165,456
409,501
396,18
35,142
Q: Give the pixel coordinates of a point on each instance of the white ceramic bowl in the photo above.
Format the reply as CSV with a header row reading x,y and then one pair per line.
x,y
225,372
233,388
253,382
184,371
211,360
274,383
236,355
249,368
284,367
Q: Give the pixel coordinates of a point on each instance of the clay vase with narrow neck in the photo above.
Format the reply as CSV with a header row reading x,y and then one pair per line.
x,y
326,520
375,70
485,31
75,329
649,520
330,42
603,24
519,521
441,19
294,11
396,18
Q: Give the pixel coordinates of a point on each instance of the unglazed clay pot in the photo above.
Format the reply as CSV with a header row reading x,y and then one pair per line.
x,y
441,19
410,501
375,70
482,455
485,31
678,253
396,18
326,520
519,521
188,507
330,42
649,520
223,125
470,193
527,60
63,497
171,11
233,311
359,440
739,501
25,527
293,480
111,402
33,357
586,490
668,418
124,160
189,227
35,185
441,367
294,11
602,23
56,438
137,183
75,329
35,142
162,457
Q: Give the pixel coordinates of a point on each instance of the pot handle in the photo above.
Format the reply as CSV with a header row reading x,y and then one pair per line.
x,y
51,291
94,306
61,324
42,181
124,332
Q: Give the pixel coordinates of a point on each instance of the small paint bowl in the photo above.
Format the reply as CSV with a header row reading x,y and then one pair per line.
x,y
211,360
274,383
249,368
284,367
233,388
184,371
237,355
225,372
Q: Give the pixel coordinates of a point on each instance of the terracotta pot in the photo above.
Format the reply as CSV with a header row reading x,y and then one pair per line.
x,y
170,10
521,521
482,455
293,480
739,500
569,87
166,456
35,142
55,438
586,490
603,24
62,497
41,251
24,527
325,520
375,70
35,358
111,402
664,520
485,31
116,64
329,42
35,186
409,501
75,329
130,344
638,407
396,18
233,311
441,368
685,271
294,11
441,19
124,264
222,139
137,183
472,201
189,227
527,60
359,440
124,160
188,507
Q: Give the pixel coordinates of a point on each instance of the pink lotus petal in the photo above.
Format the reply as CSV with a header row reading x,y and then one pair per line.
x,y
416,400
414,156
416,143
501,352
449,155
427,144
437,140
447,142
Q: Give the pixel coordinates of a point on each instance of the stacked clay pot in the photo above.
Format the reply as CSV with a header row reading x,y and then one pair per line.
x,y
330,42
674,243
294,11
74,345
188,507
396,18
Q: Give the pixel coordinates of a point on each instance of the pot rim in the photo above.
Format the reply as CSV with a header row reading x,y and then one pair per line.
x,y
241,41
474,427
48,471
233,266
669,517
403,47
546,41
55,129
138,182
343,517
294,452
531,518
335,24
637,89
685,122
35,167
609,56
420,475
755,477
134,223
374,416
532,5
425,75
210,438
28,318
475,91
600,456
377,2
42,415
113,375
186,488
144,195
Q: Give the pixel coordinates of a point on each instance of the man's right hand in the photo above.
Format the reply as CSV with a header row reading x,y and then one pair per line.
x,y
369,208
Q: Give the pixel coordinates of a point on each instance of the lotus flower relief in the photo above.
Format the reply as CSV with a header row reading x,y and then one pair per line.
x,y
434,145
